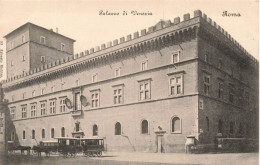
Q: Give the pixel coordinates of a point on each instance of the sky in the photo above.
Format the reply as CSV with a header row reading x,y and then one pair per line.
x,y
80,19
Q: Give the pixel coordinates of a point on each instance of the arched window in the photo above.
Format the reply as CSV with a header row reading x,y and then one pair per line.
x,y
220,126
33,134
52,133
43,133
95,130
144,126
176,125
23,134
231,127
118,129
62,132
207,121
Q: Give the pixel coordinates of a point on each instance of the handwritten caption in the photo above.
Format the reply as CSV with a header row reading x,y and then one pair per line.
x,y
124,13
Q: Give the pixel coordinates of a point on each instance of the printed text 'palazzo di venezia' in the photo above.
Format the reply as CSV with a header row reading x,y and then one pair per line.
x,y
182,78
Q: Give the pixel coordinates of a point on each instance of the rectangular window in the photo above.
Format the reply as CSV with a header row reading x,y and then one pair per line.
x,y
33,109
206,80
52,88
246,97
12,112
52,106
176,57
176,85
206,58
62,85
77,82
95,98
42,59
144,65
43,108
118,94
94,78
77,101
220,90
42,91
24,111
23,59
12,136
42,40
62,105
62,47
145,90
11,45
33,93
117,72
231,94
23,38
12,98
12,64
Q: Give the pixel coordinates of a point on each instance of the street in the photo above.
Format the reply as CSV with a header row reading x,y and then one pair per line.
x,y
124,158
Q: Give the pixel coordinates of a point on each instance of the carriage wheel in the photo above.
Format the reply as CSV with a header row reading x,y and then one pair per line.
x,y
99,153
73,154
91,154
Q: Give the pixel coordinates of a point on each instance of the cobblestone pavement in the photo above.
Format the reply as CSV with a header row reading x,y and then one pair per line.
x,y
123,158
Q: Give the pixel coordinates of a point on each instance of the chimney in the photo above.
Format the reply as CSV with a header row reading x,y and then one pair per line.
x,y
57,30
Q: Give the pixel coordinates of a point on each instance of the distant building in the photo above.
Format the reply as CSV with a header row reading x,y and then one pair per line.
x,y
31,46
1,71
178,78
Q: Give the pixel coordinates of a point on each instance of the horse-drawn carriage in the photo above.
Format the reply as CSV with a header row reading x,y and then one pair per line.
x,y
68,146
47,147
12,147
92,146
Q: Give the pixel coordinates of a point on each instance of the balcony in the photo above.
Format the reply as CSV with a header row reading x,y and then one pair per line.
x,y
76,113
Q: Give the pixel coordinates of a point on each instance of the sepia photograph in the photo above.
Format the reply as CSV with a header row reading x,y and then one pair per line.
x,y
134,82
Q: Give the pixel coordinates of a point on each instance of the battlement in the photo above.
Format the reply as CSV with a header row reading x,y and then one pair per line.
x,y
162,24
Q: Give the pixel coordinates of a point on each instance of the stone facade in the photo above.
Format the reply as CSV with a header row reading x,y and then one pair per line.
x,y
29,44
172,79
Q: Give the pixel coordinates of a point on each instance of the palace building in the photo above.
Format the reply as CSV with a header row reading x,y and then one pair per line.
x,y
143,92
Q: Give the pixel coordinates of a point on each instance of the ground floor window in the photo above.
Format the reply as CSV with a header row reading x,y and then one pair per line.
x,y
231,127
62,132
176,125
43,133
23,134
240,129
207,121
95,130
12,136
118,129
220,129
33,134
52,133
144,126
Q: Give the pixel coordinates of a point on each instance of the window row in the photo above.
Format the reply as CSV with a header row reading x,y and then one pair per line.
x,y
43,41
44,110
175,128
242,128
144,93
52,133
94,78
243,95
